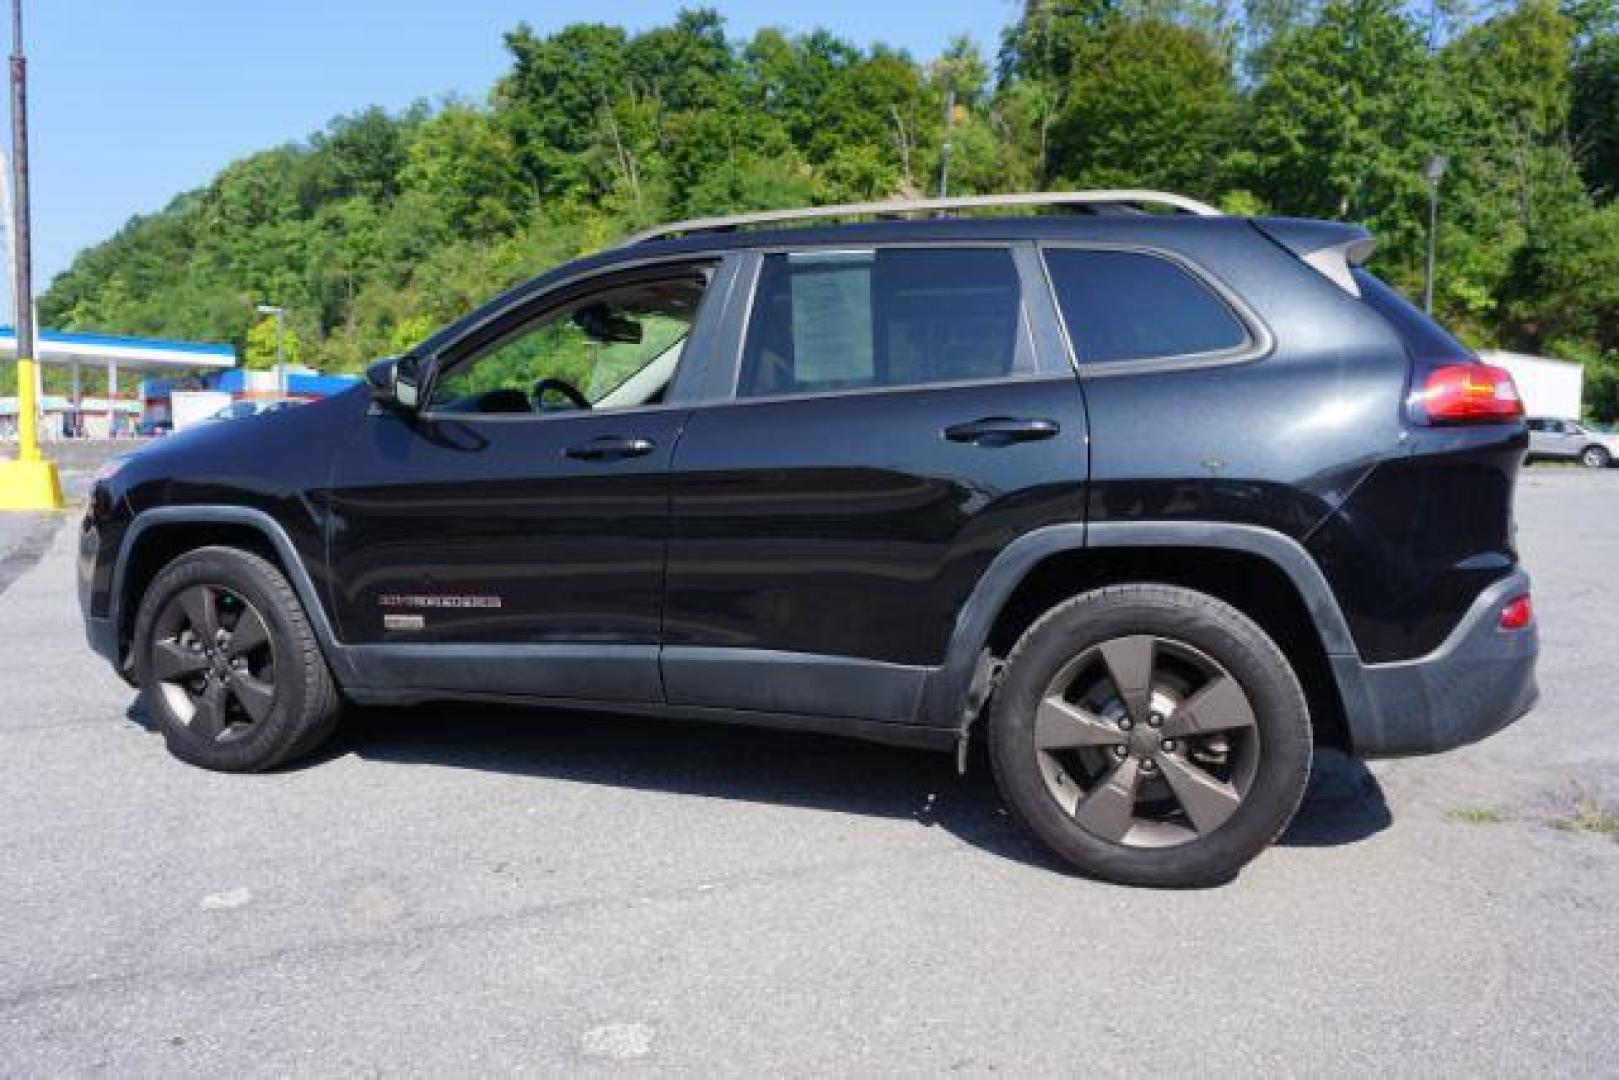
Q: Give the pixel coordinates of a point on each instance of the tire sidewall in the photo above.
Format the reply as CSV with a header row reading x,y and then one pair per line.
x,y
1211,627
270,737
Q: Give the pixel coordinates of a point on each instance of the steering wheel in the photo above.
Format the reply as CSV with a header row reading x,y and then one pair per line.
x,y
561,386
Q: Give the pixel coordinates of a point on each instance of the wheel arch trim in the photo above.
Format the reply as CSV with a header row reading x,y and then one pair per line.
x,y
292,565
948,686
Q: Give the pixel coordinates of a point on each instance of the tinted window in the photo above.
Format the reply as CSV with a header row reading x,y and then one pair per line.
x,y
1124,305
840,320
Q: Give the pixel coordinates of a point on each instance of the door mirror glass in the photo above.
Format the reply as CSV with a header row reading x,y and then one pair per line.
x,y
394,381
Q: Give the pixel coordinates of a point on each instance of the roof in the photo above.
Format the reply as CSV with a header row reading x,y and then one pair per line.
x,y
65,347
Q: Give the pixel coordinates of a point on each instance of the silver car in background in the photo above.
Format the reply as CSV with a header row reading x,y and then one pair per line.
x,y
1556,437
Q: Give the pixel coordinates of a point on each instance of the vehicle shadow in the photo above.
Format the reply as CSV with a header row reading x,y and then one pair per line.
x,y
1344,802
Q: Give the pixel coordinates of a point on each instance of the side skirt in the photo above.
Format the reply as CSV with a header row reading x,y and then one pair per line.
x,y
875,731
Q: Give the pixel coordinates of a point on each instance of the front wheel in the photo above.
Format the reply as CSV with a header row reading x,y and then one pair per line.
x,y
1151,735
229,667
1596,457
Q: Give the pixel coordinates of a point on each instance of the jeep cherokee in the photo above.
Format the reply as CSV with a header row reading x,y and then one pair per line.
x,y
1160,499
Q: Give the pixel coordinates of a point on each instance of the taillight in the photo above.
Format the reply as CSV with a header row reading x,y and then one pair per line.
x,y
1518,614
1470,394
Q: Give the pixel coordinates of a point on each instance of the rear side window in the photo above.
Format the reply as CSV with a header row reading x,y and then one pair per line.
x,y
1128,305
1423,338
844,320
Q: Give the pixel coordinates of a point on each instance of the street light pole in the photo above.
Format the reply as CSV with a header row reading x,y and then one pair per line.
x,y
30,482
280,314
1433,172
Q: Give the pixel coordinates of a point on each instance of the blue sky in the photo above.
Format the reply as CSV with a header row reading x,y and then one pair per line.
x,y
134,101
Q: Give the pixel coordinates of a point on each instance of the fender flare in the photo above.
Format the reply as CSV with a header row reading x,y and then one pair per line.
x,y
947,687
291,564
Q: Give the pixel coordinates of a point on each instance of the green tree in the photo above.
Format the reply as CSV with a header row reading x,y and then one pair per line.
x,y
1150,104
260,351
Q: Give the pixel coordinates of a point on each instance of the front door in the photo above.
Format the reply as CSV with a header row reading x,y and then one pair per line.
x,y
509,537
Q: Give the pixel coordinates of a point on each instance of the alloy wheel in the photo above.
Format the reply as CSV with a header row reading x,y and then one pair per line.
x,y
214,662
1146,742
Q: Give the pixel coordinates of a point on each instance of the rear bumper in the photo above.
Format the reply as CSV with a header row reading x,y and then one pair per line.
x,y
1477,682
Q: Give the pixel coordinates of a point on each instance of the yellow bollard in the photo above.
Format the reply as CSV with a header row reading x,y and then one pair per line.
x,y
30,482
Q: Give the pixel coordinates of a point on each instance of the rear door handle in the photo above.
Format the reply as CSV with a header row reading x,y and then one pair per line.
x,y
1002,430
611,448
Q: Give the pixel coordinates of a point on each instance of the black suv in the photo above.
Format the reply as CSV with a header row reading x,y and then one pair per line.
x,y
1160,501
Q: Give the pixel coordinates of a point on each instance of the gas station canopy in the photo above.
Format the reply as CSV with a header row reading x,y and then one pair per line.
x,y
136,354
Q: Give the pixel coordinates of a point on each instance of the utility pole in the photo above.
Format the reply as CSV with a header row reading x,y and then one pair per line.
x,y
30,482
944,151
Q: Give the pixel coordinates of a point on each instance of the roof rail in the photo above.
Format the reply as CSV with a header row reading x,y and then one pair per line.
x,y
900,207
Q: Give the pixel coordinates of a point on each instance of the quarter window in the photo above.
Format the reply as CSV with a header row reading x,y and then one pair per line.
x,y
842,320
1127,305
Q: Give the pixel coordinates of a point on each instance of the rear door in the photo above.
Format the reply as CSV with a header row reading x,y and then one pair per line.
x,y
896,416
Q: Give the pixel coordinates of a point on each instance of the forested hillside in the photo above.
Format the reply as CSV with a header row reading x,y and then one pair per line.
x,y
382,226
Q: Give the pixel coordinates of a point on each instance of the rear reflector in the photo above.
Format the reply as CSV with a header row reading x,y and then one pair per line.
x,y
1471,394
1517,614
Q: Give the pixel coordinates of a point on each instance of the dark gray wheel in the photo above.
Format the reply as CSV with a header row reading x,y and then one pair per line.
x,y
1595,457
229,668
1150,735
1146,742
213,662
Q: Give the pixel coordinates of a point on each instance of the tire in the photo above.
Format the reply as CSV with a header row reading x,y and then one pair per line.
x,y
258,693
1193,810
1595,457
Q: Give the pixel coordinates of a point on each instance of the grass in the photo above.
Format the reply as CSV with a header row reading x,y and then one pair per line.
x,y
1478,815
1588,817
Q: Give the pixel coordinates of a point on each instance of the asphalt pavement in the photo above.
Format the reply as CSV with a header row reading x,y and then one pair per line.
x,y
460,889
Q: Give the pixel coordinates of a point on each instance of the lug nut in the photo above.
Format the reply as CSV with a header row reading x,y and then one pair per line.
x,y
1149,765
1120,752
1126,724
1155,720
1169,744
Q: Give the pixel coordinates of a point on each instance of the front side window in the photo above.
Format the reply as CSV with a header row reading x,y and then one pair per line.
x,y
1128,305
826,321
613,349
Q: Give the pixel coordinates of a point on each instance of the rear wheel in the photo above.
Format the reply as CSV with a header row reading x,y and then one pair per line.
x,y
229,668
1595,457
1151,735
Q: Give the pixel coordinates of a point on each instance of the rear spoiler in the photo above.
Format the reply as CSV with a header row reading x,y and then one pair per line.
x,y
1330,247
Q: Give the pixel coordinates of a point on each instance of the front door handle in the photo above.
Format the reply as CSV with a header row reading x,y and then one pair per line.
x,y
610,448
1002,430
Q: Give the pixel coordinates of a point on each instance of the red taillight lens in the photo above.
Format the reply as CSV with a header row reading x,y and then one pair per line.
x,y
1517,614
1470,394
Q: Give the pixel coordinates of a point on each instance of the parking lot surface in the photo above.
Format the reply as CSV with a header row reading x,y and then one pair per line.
x,y
470,888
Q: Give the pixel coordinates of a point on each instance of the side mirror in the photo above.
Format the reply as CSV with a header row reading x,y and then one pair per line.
x,y
394,381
